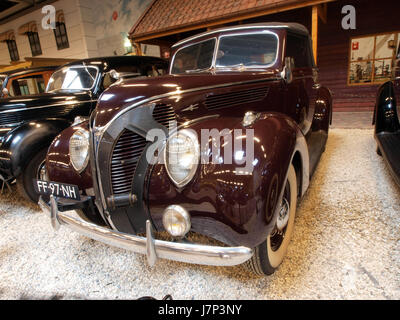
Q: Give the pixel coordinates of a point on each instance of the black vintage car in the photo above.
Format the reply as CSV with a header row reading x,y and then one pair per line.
x,y
386,120
28,124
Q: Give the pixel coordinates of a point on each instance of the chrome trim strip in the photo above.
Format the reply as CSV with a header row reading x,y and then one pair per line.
x,y
48,106
234,28
152,248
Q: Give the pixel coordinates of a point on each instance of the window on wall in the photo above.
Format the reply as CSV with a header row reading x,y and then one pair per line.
x,y
372,58
60,33
13,50
35,43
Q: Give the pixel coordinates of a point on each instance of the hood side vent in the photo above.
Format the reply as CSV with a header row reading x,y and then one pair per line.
x,y
163,114
226,100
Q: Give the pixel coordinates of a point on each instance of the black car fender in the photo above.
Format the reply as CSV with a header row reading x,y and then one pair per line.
x,y
385,115
23,142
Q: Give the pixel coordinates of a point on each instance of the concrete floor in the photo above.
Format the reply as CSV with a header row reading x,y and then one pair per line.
x,y
346,245
352,120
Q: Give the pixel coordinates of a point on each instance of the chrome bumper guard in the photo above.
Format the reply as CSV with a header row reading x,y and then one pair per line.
x,y
152,248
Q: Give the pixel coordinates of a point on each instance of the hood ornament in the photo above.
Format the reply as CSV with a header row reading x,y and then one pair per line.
x,y
192,107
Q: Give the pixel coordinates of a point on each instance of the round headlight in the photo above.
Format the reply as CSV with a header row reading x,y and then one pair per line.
x,y
79,149
182,155
176,221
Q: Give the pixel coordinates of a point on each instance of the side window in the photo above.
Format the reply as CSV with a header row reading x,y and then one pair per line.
x,y
298,47
27,85
155,70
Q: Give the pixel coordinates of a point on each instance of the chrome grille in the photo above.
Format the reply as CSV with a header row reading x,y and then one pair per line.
x,y
221,101
163,114
125,157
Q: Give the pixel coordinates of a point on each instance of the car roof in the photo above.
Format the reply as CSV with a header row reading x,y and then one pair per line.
x,y
294,27
21,72
115,61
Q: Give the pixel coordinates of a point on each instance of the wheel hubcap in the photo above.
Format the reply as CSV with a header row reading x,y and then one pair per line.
x,y
283,216
42,173
278,234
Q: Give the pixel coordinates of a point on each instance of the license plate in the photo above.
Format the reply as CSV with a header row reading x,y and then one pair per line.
x,y
59,190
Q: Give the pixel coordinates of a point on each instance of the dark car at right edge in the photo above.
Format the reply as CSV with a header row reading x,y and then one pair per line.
x,y
386,121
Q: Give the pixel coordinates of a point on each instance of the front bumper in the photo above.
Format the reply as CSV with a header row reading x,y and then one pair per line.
x,y
152,248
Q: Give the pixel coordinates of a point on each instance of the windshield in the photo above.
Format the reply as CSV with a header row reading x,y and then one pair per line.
x,y
196,57
251,50
248,50
73,78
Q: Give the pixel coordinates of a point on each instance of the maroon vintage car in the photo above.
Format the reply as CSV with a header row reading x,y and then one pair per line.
x,y
223,146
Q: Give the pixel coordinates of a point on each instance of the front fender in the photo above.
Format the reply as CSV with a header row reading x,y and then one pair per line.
x,y
58,163
23,142
237,209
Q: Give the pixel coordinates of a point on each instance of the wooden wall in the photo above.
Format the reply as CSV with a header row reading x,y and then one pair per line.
x,y
373,16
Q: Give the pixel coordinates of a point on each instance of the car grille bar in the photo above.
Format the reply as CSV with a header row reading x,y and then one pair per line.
x,y
125,157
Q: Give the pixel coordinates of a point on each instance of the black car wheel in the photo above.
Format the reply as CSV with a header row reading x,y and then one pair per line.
x,y
35,169
378,151
270,254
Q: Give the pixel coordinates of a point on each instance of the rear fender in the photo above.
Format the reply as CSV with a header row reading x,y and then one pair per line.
x,y
323,111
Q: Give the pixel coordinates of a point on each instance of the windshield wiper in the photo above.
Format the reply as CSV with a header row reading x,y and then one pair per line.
x,y
198,70
239,66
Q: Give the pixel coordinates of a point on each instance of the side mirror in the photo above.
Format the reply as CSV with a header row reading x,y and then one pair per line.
x,y
5,92
287,72
114,74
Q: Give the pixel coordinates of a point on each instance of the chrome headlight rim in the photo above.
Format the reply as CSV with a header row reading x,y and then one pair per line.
x,y
85,163
195,142
180,213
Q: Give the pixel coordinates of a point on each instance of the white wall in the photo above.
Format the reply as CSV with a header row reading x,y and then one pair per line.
x,y
112,33
91,29
72,16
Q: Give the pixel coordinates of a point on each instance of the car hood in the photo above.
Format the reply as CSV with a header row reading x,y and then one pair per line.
x,y
180,91
42,100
